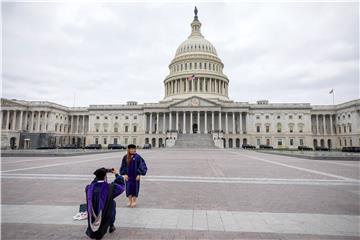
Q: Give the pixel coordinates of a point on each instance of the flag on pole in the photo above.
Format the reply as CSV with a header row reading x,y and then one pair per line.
x,y
192,77
332,90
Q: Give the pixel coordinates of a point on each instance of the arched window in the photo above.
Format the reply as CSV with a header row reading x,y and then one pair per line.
x,y
278,126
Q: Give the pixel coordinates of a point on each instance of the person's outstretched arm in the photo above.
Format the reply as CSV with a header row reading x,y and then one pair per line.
x,y
119,184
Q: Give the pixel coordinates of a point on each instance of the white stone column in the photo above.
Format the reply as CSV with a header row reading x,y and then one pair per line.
x,y
26,120
45,121
184,122
77,124
240,123
204,81
317,124
205,128
21,120
212,121
247,123
164,122
191,122
2,118
226,123
71,123
157,123
192,85
331,125
324,124
38,121
7,119
220,127
233,123
170,120
14,120
198,122
186,85
144,123
150,124
83,124
198,84
31,121
177,121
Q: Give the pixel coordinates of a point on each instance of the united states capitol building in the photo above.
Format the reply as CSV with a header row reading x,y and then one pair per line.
x,y
195,111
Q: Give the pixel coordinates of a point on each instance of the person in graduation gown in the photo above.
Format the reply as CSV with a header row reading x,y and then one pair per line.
x,y
101,206
132,167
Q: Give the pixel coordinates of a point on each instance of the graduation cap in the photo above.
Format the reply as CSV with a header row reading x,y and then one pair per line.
x,y
100,173
131,146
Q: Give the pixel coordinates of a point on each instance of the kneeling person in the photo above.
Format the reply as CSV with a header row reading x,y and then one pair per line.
x,y
101,206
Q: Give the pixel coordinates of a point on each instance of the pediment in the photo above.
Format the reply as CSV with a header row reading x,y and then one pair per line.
x,y
10,103
195,102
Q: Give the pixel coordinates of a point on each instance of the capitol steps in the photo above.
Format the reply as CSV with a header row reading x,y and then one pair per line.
x,y
194,141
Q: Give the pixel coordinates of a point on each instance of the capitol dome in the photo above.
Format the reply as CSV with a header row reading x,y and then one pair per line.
x,y
196,44
196,69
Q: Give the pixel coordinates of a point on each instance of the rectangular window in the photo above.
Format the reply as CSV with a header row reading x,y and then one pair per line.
x,y
105,140
301,142
267,129
115,129
291,142
96,140
279,143
257,128
268,142
126,128
126,141
134,141
258,141
134,128
115,140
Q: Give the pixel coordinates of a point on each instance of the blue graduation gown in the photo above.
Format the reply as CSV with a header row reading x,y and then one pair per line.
x,y
101,206
136,167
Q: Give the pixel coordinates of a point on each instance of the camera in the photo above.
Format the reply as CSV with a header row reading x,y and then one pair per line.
x,y
109,170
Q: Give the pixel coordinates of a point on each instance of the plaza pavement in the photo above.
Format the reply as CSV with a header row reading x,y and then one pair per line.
x,y
188,194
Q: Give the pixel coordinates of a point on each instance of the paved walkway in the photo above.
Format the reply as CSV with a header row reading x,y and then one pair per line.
x,y
187,219
188,194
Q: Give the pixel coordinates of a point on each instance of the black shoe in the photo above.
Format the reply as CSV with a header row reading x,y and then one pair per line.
x,y
112,229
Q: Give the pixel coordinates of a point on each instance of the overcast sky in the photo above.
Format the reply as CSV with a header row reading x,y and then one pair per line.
x,y
115,52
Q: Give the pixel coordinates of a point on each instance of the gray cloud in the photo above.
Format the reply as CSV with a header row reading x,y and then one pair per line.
x,y
115,52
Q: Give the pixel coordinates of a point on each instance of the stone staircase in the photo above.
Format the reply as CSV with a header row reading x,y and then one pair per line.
x,y
194,141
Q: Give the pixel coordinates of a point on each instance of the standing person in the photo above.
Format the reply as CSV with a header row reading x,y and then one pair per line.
x,y
132,167
100,202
